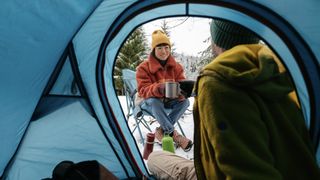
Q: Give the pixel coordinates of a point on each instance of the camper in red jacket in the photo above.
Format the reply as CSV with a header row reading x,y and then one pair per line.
x,y
151,76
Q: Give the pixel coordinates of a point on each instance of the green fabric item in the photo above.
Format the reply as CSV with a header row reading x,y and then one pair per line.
x,y
167,143
246,126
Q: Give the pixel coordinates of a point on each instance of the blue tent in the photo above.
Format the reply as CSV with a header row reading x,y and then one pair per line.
x,y
57,97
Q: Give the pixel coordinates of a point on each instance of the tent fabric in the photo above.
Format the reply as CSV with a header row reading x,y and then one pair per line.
x,y
34,35
66,83
86,45
305,22
47,142
51,103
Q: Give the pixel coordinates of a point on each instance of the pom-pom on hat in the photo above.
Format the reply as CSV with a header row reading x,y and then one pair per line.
x,y
226,34
159,37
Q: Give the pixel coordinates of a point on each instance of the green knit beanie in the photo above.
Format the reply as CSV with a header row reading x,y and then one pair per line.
x,y
226,34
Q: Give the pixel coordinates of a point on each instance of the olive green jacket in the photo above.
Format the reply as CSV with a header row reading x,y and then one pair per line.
x,y
246,125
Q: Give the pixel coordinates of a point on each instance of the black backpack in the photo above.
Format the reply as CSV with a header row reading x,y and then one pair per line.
x,y
85,170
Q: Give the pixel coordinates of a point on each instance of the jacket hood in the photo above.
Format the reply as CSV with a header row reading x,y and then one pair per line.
x,y
253,67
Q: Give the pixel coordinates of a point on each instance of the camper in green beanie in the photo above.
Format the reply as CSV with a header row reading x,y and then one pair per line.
x,y
248,123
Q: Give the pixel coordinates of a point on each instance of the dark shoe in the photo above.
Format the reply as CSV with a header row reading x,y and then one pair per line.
x,y
185,143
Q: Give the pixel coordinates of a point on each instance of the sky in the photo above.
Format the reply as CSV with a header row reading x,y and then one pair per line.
x,y
187,33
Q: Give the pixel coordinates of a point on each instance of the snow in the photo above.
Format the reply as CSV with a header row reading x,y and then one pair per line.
x,y
186,123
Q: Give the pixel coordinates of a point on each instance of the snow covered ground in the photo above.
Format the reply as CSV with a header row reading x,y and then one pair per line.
x,y
186,123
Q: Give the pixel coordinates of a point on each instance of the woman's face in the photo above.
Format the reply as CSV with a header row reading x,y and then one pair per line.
x,y
162,52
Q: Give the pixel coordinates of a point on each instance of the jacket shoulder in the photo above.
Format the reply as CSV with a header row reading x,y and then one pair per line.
x,y
143,65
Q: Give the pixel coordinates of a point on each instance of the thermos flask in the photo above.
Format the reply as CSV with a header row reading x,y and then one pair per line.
x,y
167,143
148,146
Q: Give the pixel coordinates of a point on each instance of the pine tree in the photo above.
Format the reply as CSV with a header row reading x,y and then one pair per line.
x,y
131,54
165,28
206,56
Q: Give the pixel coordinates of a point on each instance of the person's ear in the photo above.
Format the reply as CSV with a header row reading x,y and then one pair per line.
x,y
216,50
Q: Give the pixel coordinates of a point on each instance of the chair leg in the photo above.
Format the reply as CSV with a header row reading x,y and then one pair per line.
x,y
188,112
182,132
145,124
139,129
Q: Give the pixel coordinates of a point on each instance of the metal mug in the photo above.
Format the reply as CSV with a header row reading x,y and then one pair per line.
x,y
172,90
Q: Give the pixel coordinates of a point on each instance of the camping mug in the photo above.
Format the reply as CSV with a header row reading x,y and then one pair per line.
x,y
172,90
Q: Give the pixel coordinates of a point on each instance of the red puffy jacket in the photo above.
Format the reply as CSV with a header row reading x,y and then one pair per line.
x,y
151,74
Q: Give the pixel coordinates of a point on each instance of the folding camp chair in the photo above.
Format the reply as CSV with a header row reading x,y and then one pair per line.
x,y
130,89
138,113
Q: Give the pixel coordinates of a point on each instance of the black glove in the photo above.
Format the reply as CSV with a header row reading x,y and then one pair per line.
x,y
186,87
